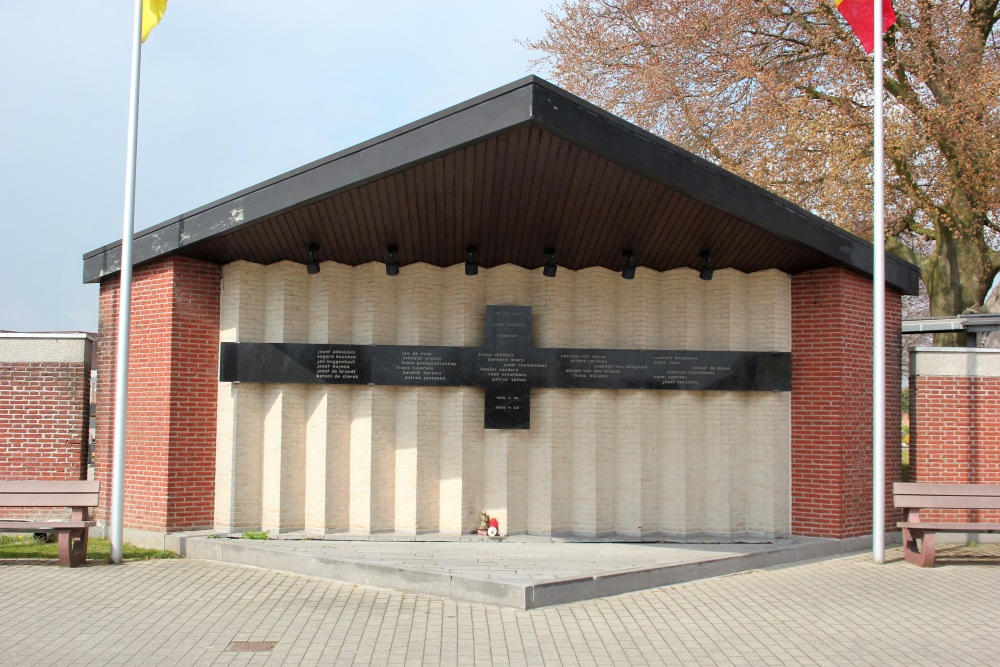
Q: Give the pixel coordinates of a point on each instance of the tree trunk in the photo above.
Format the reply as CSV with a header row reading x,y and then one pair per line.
x,y
957,274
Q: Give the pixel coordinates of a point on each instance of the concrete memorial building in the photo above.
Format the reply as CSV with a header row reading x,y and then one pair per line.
x,y
521,304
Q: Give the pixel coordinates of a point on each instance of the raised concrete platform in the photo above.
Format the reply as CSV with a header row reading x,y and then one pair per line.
x,y
519,572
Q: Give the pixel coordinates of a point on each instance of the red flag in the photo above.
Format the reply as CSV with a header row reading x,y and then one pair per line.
x,y
860,15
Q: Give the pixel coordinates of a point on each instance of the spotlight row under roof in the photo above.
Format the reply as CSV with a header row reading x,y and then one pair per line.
x,y
472,262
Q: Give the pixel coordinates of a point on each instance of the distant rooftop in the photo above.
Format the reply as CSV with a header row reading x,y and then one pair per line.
x,y
973,324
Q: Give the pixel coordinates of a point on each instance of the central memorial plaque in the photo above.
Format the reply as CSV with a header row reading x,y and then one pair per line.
x,y
507,367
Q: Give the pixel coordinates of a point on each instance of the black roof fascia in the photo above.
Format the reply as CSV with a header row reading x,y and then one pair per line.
x,y
618,140
533,100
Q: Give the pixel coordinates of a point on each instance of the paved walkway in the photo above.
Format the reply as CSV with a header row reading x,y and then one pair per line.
x,y
833,611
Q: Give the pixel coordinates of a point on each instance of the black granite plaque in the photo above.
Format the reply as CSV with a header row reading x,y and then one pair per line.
x,y
508,408
507,367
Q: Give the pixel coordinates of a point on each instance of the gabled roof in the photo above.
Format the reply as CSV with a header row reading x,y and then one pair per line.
x,y
519,169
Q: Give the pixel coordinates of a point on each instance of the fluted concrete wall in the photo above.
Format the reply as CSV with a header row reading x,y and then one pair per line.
x,y
368,459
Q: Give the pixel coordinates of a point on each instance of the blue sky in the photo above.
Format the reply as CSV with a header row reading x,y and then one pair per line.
x,y
232,93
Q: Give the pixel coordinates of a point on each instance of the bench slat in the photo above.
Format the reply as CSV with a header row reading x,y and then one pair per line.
x,y
48,500
966,502
920,489
44,525
67,486
960,527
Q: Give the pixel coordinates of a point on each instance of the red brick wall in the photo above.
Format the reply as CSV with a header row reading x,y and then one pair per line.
x,y
955,434
172,388
44,415
44,422
832,403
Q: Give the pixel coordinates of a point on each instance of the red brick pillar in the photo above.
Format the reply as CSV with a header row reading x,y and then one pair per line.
x,y
172,391
832,403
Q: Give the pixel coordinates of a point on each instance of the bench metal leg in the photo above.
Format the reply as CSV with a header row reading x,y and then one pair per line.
x,y
923,555
72,547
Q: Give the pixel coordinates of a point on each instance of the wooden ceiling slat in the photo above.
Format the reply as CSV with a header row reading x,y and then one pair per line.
x,y
559,230
532,250
385,207
512,195
465,167
598,219
438,244
503,197
571,230
636,203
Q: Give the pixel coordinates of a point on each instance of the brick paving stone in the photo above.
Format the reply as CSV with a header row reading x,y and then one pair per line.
x,y
834,611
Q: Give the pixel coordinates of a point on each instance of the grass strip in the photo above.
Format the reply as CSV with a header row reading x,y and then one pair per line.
x,y
97,549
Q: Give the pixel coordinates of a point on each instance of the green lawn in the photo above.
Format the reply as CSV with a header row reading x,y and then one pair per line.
x,y
97,549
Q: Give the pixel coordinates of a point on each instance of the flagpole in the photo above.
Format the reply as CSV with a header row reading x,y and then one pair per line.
x,y
878,315
125,298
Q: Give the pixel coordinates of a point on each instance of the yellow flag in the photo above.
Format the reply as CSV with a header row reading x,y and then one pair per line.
x,y
152,12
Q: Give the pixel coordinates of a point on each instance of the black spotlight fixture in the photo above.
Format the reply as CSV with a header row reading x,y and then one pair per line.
x,y
706,269
471,261
549,270
312,264
628,271
392,264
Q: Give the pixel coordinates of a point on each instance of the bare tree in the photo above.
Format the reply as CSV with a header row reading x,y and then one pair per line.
x,y
780,93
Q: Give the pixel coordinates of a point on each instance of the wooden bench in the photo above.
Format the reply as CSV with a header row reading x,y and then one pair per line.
x,y
79,496
915,497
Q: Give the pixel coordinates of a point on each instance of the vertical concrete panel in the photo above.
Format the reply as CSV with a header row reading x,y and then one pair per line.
x,y
242,303
338,457
679,464
330,311
330,307
238,458
768,415
549,466
327,459
768,445
460,487
286,289
374,312
496,498
239,436
360,510
284,458
372,477
635,447
285,321
321,316
461,461
724,473
407,468
463,307
735,297
594,425
373,415
418,410
627,450
681,317
769,312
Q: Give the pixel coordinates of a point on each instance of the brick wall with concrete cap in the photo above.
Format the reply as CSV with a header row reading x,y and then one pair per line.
x,y
955,419
832,403
44,407
365,460
172,389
